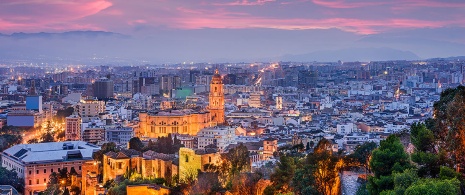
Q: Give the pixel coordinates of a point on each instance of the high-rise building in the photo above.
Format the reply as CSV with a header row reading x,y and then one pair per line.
x,y
73,127
103,88
216,99
169,82
88,108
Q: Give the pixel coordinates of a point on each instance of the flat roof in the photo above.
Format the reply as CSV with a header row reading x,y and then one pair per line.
x,y
51,152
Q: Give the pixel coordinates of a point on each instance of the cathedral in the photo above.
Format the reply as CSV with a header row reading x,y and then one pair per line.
x,y
216,99
187,121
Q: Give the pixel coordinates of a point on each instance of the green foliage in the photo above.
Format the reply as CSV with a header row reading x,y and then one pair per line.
x,y
362,190
303,181
448,173
434,186
10,136
449,123
8,177
282,176
136,144
421,137
389,157
402,181
428,159
325,167
238,159
362,153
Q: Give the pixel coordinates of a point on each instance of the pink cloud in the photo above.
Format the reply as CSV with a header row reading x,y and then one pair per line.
x,y
123,15
342,4
245,3
53,14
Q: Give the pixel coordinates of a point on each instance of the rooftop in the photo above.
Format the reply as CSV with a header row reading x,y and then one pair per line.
x,y
51,152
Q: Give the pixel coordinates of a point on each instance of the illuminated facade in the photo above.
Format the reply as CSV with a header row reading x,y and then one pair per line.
x,y
73,128
35,162
187,121
216,99
192,160
149,164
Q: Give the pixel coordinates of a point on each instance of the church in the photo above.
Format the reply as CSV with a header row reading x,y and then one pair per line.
x,y
186,121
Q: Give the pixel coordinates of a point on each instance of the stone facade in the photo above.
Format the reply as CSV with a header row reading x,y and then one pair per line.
x,y
190,161
216,99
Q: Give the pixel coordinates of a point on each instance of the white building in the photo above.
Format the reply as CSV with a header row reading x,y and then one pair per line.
x,y
220,136
118,134
35,162
346,128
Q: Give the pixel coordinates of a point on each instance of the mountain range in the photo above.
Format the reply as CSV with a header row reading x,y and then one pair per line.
x,y
230,45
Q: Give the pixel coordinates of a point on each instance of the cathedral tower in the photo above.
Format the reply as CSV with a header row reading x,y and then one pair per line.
x,y
216,99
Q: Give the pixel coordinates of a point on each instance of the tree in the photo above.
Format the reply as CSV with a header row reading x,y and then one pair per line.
x,y
362,154
389,157
303,181
282,176
448,125
434,186
426,156
238,159
33,141
8,177
136,144
421,137
47,137
402,181
207,183
325,167
62,114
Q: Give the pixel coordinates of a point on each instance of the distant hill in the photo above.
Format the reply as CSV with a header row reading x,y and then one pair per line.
x,y
353,54
163,45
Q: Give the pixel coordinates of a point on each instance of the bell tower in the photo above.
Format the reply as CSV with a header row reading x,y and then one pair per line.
x,y
216,99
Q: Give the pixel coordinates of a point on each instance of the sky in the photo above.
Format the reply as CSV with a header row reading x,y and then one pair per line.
x,y
148,18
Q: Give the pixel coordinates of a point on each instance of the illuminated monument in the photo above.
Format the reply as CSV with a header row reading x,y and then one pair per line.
x,y
216,99
185,121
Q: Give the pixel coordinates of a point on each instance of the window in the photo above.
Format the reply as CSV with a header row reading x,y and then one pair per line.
x,y
37,171
209,159
187,158
79,168
30,172
120,165
51,170
45,180
37,181
30,182
45,170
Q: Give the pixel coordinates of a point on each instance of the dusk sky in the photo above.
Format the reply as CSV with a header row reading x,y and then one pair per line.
x,y
123,16
145,18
